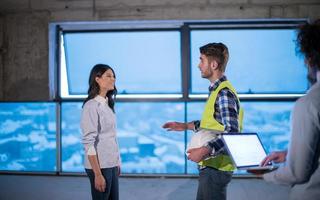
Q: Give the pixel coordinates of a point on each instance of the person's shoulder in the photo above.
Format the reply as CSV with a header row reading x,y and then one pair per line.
x,y
312,96
226,92
314,92
310,101
90,104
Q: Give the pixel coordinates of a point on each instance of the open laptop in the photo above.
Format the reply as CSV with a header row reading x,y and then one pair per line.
x,y
246,151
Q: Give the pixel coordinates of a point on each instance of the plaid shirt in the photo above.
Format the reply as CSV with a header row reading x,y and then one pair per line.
x,y
226,112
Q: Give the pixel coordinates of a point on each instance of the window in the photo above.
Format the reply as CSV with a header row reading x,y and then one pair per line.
x,y
271,120
151,65
158,81
72,150
144,146
261,61
145,62
27,137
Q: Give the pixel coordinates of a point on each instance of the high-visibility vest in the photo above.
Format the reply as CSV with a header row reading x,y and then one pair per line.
x,y
220,162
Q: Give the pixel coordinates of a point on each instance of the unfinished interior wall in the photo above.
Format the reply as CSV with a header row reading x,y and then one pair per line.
x,y
26,58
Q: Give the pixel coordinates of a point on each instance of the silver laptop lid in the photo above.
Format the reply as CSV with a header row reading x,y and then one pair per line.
x,y
245,149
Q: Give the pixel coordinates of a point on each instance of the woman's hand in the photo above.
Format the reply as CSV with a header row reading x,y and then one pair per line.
x,y
100,183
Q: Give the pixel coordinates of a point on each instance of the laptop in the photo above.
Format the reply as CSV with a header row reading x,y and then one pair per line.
x,y
246,151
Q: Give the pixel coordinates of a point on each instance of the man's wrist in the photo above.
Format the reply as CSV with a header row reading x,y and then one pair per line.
x,y
189,125
186,126
206,150
210,149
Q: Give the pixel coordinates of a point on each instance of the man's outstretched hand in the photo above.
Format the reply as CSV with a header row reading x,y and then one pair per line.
x,y
175,126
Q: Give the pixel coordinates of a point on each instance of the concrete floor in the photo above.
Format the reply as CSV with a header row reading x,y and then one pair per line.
x,y
35,187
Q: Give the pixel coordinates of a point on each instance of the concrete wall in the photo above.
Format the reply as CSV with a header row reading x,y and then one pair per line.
x,y
25,62
24,29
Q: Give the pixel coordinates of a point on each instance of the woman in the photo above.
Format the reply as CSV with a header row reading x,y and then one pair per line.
x,y
98,124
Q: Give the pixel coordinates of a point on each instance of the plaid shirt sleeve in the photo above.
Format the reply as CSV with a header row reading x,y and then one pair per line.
x,y
227,102
228,107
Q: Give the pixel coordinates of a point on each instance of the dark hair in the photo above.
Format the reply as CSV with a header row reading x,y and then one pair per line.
x,y
217,51
97,71
308,42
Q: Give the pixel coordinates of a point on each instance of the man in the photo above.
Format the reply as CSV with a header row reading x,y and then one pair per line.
x,y
221,114
301,169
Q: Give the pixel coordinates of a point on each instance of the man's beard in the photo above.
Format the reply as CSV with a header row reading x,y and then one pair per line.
x,y
203,76
206,74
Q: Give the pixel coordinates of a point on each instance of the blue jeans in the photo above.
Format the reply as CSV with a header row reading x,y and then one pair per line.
x,y
213,184
112,184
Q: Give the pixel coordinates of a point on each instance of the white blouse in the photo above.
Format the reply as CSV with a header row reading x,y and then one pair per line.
x,y
98,125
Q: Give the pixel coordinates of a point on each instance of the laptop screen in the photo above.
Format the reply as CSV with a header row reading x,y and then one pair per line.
x,y
245,149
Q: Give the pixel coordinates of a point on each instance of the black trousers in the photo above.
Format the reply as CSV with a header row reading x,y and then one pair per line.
x,y
112,184
213,184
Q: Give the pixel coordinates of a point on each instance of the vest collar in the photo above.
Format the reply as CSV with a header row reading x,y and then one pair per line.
x,y
213,86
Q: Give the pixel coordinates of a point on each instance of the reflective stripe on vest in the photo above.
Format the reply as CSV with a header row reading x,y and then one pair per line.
x,y
221,162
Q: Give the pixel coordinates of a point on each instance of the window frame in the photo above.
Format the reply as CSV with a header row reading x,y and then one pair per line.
x,y
185,27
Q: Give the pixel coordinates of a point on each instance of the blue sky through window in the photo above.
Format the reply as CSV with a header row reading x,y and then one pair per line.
x,y
271,120
144,62
28,136
145,146
260,61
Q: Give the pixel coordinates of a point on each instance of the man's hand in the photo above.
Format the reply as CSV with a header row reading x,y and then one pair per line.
x,y
198,154
100,183
175,126
277,157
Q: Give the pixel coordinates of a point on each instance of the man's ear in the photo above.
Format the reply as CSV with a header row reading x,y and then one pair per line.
x,y
214,64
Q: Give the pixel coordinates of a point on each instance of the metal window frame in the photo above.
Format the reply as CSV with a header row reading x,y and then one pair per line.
x,y
185,27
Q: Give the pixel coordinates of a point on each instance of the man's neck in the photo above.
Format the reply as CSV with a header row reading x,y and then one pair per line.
x,y
216,76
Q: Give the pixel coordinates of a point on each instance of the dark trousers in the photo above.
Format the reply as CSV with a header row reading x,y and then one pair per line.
x,y
213,184
112,184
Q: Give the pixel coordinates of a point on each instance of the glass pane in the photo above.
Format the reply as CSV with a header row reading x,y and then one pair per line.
x,y
28,136
194,112
72,149
144,146
271,120
142,61
260,61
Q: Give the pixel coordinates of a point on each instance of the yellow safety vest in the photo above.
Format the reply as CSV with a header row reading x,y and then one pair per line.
x,y
220,162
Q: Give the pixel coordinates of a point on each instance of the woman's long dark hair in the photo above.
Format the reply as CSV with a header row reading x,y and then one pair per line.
x,y
97,71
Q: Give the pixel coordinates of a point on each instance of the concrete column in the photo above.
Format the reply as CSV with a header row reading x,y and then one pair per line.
x,y
26,61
